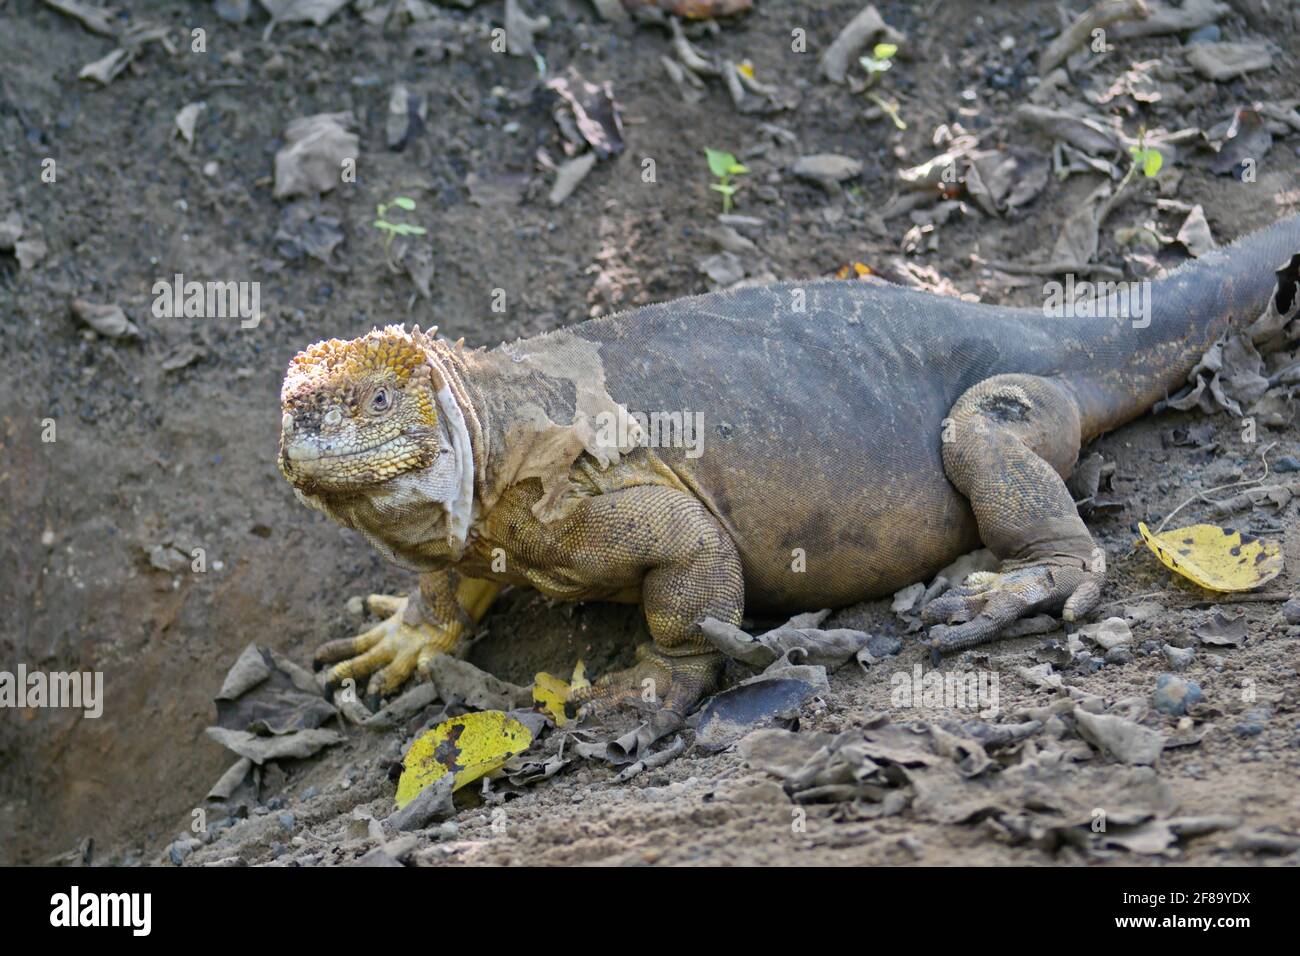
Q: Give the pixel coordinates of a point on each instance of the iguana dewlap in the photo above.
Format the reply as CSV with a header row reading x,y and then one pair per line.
x,y
856,437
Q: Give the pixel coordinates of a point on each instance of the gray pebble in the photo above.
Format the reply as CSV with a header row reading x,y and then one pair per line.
x,y
1174,694
1291,611
1178,657
884,645
1119,655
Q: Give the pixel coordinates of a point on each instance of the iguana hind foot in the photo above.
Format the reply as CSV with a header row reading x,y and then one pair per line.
x,y
978,611
1011,441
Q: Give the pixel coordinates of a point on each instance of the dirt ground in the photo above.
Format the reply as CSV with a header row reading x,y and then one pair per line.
x,y
170,438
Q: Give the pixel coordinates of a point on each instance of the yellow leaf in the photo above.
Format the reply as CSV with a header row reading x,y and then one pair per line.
x,y
549,694
579,679
747,68
469,746
1220,559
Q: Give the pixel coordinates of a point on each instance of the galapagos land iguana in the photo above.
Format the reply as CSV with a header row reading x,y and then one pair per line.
x,y
878,431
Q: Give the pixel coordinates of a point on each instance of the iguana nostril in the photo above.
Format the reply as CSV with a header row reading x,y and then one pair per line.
x,y
286,424
333,416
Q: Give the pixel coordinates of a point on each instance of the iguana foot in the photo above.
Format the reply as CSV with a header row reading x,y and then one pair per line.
x,y
656,681
1012,441
977,611
390,651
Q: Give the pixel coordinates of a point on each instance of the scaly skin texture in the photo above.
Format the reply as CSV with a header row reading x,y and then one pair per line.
x,y
854,438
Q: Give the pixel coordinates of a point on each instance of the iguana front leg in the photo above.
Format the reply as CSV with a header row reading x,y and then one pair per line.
x,y
429,621
687,568
1013,439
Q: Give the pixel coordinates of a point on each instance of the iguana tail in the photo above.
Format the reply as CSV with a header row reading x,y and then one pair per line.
x,y
1153,334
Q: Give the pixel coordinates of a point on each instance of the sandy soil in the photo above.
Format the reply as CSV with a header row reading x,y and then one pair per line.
x,y
148,453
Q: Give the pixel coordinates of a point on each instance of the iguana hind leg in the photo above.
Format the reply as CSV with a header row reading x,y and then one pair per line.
x,y
432,620
1009,443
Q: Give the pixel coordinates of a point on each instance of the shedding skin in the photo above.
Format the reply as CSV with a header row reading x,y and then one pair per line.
x,y
849,439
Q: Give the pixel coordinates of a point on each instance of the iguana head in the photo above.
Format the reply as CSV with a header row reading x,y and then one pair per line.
x,y
359,414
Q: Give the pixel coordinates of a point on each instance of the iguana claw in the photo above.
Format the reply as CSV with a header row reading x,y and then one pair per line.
x,y
977,611
390,652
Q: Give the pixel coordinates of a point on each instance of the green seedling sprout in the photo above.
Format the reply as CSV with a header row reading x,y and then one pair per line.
x,y
880,61
392,230
724,166
1148,158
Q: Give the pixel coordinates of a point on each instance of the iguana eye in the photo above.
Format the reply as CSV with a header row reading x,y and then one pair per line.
x,y
380,401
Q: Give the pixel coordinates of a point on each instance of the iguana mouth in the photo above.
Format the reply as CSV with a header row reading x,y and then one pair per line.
x,y
304,451
309,466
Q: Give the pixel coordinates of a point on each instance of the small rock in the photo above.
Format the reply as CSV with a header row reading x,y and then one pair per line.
x,y
826,169
884,645
1291,611
1119,655
1286,463
287,820
912,845
1139,613
1174,694
29,252
723,268
569,175
232,11
166,558
449,830
11,230
1178,657
187,118
180,849
1210,33
108,320
1112,632
1225,61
